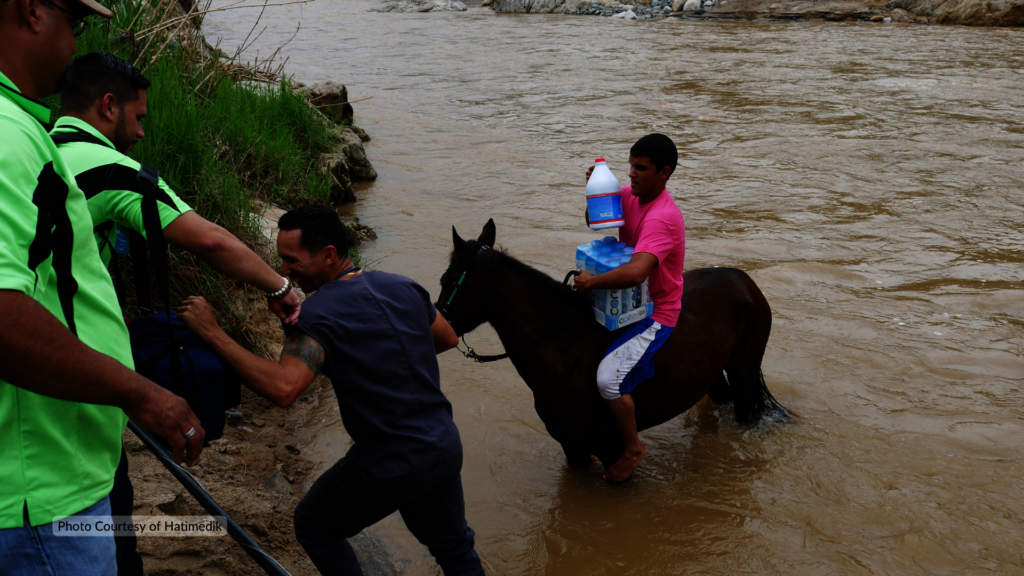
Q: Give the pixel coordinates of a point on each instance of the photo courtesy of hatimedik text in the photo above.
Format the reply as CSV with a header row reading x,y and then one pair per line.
x,y
141,526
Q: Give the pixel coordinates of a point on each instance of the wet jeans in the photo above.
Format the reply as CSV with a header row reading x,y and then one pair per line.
x,y
341,503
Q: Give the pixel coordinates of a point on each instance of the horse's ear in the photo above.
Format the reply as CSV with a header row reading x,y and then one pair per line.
x,y
487,235
460,244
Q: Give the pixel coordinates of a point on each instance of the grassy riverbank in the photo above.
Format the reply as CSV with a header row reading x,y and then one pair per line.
x,y
225,145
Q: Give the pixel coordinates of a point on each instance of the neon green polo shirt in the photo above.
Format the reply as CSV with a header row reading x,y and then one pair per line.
x,y
57,456
108,179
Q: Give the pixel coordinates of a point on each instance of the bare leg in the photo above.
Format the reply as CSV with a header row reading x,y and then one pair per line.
x,y
623,411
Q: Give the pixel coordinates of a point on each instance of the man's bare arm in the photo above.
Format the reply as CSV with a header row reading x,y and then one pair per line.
x,y
628,275
305,349
280,382
39,354
228,255
444,337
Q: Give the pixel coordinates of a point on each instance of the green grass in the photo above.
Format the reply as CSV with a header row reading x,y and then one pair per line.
x,y
222,145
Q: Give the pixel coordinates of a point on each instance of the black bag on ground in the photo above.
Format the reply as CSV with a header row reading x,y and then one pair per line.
x,y
164,350
204,383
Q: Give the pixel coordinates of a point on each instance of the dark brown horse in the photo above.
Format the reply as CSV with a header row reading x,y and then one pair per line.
x,y
553,341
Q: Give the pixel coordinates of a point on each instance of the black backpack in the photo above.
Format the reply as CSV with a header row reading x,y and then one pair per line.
x,y
164,350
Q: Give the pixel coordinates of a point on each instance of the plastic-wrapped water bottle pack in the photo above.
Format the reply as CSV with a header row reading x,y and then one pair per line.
x,y
613,308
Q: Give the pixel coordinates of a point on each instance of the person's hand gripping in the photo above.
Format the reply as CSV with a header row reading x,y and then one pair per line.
x,y
287,307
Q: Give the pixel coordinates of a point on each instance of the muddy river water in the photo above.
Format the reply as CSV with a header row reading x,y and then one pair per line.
x,y
870,178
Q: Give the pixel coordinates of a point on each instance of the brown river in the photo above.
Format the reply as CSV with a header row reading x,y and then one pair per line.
x,y
869,177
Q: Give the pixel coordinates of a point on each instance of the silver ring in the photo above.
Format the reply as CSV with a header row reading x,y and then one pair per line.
x,y
191,432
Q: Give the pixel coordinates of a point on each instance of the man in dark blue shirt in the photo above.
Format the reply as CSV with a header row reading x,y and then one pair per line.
x,y
376,336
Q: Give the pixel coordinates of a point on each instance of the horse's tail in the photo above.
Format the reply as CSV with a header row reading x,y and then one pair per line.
x,y
771,406
751,397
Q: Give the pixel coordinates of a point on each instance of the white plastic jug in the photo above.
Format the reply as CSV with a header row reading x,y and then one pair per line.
x,y
604,204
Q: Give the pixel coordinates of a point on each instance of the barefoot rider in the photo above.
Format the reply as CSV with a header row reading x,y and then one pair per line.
x,y
655,229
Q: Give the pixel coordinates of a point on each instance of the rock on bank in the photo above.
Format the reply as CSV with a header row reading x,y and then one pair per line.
x,y
963,12
347,162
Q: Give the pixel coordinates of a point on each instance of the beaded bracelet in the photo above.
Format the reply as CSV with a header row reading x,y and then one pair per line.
x,y
280,293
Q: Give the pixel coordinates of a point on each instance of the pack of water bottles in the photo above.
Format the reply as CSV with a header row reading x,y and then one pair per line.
x,y
613,309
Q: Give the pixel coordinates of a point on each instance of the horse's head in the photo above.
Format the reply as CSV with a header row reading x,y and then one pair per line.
x,y
463,298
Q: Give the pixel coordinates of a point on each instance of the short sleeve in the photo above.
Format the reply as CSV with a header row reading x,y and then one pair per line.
x,y
24,169
168,213
655,238
124,207
428,306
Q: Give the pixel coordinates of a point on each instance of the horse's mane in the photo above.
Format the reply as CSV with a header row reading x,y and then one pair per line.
x,y
490,259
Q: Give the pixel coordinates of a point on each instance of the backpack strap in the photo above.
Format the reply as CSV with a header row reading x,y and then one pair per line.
x,y
149,184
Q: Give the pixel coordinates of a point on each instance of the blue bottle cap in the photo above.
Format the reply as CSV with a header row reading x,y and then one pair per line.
x,y
609,239
595,244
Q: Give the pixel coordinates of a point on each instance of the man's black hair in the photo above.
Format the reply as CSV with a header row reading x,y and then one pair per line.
x,y
320,227
98,73
659,148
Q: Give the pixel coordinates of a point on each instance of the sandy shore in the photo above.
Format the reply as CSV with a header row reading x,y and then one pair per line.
x,y
257,473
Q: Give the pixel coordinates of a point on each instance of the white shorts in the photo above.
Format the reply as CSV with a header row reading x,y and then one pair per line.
x,y
630,358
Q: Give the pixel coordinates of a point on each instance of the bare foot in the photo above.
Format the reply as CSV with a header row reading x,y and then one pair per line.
x,y
626,464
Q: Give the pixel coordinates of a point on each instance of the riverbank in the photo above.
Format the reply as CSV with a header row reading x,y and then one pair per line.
x,y
258,474
954,12
255,472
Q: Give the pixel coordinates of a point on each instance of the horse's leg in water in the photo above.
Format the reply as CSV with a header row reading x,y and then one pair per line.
x,y
720,393
577,458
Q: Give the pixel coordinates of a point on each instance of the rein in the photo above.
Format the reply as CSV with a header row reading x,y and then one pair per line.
x,y
470,353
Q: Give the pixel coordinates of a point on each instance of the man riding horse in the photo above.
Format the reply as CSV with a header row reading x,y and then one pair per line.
x,y
655,229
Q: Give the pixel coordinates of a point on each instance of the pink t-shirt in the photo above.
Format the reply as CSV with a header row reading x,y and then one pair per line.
x,y
658,228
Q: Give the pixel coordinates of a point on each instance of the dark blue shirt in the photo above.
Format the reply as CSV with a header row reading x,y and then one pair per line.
x,y
375,331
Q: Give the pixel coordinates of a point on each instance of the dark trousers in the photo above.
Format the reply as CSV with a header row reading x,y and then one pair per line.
x,y
122,503
341,503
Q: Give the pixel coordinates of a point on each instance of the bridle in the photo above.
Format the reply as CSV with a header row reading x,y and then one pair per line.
x,y
447,305
470,352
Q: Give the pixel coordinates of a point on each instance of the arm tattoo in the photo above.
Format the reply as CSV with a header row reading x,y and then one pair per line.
x,y
301,346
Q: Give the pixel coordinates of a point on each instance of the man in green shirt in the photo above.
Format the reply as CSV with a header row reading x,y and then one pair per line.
x,y
104,103
66,378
